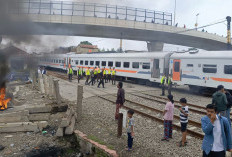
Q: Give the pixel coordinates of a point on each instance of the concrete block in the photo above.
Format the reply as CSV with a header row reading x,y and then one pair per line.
x,y
67,118
18,127
69,130
42,109
60,132
14,117
39,117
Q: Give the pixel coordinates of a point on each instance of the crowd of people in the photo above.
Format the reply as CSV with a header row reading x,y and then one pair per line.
x,y
216,124
94,75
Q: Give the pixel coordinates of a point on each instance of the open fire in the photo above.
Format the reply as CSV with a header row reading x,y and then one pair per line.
x,y
3,100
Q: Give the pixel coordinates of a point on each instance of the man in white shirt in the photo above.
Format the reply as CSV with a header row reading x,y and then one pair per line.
x,y
217,139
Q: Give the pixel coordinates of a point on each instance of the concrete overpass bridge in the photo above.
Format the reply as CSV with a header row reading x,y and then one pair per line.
x,y
33,17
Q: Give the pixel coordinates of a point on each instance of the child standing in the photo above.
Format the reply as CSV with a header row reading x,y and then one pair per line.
x,y
183,121
168,118
130,129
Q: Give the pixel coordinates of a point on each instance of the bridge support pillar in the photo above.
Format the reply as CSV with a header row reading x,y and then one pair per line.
x,y
155,46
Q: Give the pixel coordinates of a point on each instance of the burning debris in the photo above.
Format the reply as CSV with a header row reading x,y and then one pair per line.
x,y
3,100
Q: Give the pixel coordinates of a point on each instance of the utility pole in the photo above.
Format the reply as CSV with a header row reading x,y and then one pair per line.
x,y
228,18
174,14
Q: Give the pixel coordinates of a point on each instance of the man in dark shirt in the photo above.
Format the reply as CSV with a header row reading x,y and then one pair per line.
x,y
120,99
101,79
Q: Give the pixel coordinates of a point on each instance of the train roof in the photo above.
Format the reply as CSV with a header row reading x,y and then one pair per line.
x,y
201,54
125,55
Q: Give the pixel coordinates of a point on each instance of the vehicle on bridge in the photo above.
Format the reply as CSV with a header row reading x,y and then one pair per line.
x,y
197,69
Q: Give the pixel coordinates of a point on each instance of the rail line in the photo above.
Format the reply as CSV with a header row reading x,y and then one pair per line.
x,y
137,105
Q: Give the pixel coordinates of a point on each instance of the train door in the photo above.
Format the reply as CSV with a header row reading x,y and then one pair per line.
x,y
176,70
64,63
156,70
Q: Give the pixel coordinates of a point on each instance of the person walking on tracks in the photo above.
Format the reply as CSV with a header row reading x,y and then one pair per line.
x,y
109,75
113,76
101,79
120,99
92,77
219,99
168,118
217,138
163,79
95,74
169,85
105,75
87,76
70,73
79,74
98,73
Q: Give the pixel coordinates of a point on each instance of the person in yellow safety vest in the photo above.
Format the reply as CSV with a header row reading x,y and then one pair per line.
x,y
70,73
163,79
109,74
104,74
113,76
87,73
92,77
169,85
95,74
98,74
79,74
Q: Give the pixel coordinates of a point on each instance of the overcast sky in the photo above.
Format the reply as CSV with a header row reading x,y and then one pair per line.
x,y
210,11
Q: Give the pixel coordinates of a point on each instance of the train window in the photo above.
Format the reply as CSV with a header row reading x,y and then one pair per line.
x,y
146,66
110,64
126,64
135,65
118,64
77,62
82,62
189,65
59,61
177,66
91,62
209,68
228,69
86,62
97,63
62,61
156,63
103,63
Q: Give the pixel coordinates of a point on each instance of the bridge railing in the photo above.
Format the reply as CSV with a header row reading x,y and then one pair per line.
x,y
90,10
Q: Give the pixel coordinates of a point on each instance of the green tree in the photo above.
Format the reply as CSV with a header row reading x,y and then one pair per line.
x,y
86,43
103,50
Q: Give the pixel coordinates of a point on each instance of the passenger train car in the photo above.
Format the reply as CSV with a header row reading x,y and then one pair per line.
x,y
196,68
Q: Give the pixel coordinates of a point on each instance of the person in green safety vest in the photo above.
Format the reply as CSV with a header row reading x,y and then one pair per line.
x,y
109,74
170,85
163,79
70,73
104,74
79,74
113,76
87,73
98,74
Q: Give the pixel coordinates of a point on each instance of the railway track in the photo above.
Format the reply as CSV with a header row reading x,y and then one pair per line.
x,y
146,111
160,100
193,127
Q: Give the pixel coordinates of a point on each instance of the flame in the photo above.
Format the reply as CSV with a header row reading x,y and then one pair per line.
x,y
3,101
